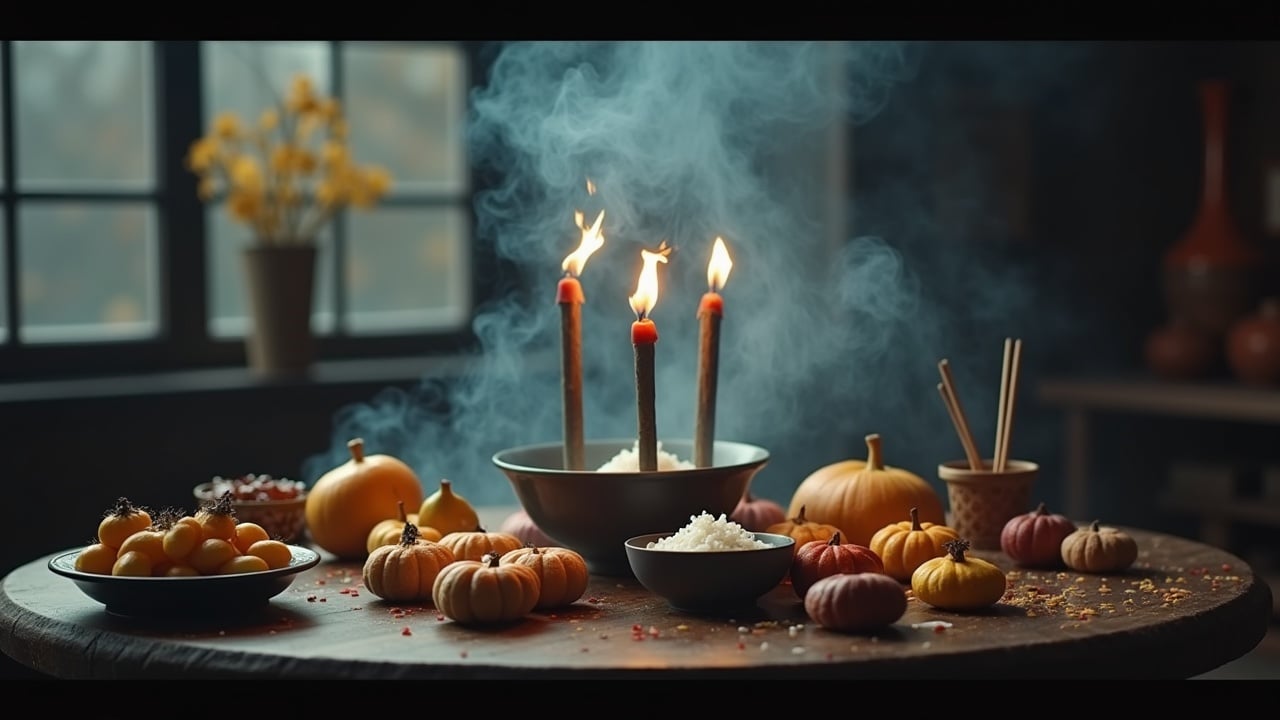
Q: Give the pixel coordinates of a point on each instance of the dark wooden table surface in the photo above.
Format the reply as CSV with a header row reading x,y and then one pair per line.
x,y
1184,608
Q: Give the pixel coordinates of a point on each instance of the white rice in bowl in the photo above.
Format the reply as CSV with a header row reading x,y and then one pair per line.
x,y
706,533
628,460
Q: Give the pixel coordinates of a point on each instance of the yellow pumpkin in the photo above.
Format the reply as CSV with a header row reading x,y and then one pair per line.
x,y
473,544
481,592
406,571
347,501
388,531
562,573
956,581
447,511
803,530
906,545
862,497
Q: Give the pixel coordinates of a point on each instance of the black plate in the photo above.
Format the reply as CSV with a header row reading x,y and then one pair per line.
x,y
168,596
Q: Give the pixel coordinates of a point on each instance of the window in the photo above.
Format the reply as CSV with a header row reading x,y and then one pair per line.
x,y
111,263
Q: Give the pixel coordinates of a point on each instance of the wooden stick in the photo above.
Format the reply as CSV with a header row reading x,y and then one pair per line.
x,y
704,434
645,410
1010,404
966,437
1004,399
571,383
972,455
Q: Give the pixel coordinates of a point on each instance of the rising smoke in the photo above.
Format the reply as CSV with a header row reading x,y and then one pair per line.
x,y
685,141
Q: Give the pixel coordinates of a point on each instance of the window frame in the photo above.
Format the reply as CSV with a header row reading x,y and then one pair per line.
x,y
184,341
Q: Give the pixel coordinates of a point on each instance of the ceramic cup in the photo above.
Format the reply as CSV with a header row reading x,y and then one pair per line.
x,y
982,501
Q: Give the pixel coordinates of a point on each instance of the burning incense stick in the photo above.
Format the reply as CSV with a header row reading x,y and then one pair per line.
x,y
710,312
953,401
1015,364
644,336
570,297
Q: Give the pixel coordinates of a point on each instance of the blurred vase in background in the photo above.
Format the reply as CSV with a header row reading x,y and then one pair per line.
x,y
1181,351
1211,274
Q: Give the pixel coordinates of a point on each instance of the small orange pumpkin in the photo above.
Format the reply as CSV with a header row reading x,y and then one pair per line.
x,y
562,572
862,497
481,592
803,530
388,531
904,546
473,544
406,571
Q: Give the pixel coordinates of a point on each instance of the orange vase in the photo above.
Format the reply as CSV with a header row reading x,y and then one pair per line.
x,y
1211,275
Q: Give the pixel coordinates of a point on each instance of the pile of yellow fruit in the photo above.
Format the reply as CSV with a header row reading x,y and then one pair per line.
x,y
133,543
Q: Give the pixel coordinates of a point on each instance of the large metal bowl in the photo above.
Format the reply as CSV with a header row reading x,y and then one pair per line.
x,y
595,513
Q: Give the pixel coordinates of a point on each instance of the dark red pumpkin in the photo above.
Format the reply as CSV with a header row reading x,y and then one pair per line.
x,y
817,559
861,602
1034,539
756,514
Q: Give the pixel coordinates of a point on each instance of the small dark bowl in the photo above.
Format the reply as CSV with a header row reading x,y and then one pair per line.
x,y
705,582
593,513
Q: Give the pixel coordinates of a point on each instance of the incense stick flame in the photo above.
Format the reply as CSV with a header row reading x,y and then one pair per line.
x,y
647,287
719,266
592,240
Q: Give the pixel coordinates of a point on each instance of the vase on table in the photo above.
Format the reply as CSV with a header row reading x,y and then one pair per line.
x,y
280,279
1211,275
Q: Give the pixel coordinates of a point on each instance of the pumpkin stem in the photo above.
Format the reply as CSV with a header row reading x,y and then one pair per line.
x,y
490,559
409,535
1093,527
835,539
122,508
1041,509
446,487
400,506
957,548
874,461
356,446
799,518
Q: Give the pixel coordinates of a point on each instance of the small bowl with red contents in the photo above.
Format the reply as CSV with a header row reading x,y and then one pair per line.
x,y
279,505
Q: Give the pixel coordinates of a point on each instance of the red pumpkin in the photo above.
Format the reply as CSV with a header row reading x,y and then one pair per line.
x,y
859,603
817,559
757,514
1034,539
522,526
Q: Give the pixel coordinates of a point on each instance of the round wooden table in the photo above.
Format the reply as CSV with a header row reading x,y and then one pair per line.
x,y
1183,609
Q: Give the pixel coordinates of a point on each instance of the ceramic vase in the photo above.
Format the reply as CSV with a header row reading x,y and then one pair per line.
x,y
1181,351
1211,274
280,280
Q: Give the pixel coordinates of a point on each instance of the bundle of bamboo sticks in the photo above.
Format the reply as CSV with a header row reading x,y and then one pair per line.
x,y
1004,413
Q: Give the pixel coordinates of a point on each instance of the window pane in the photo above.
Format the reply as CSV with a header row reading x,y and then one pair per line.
x,y
408,269
247,77
83,114
405,106
229,299
87,271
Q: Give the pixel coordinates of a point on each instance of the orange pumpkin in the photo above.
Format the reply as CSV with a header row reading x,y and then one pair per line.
x,y
346,503
407,570
862,497
905,546
388,531
474,544
562,572
481,592
803,530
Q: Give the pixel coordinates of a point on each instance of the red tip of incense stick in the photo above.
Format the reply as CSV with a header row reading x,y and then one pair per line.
x,y
644,332
711,303
569,291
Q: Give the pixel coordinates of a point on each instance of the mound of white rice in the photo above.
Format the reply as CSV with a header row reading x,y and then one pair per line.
x,y
706,533
629,461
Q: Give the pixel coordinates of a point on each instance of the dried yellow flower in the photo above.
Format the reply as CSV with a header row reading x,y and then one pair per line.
x,y
286,176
